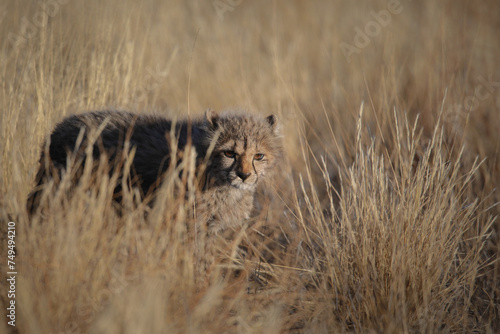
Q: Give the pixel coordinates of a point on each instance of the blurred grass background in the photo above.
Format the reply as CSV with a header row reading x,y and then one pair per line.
x,y
382,219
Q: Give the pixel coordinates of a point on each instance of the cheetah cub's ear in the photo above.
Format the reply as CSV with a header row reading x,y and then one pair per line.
x,y
211,117
273,122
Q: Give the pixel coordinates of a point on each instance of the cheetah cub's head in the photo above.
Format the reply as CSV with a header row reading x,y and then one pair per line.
x,y
245,148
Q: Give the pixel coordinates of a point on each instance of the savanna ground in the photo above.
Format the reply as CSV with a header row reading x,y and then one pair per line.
x,y
381,219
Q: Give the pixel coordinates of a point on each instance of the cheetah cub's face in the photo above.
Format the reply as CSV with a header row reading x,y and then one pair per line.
x,y
246,148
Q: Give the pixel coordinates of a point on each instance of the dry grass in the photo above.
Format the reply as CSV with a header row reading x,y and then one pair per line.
x,y
382,219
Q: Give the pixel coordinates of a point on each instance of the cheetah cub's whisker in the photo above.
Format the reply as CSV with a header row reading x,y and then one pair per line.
x,y
237,150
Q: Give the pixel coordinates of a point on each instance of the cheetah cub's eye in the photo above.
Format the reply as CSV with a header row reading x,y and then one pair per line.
x,y
229,154
258,156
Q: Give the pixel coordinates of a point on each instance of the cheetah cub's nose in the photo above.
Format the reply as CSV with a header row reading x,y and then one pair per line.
x,y
243,175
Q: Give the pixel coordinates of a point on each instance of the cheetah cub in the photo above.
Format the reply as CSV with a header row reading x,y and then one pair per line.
x,y
238,151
